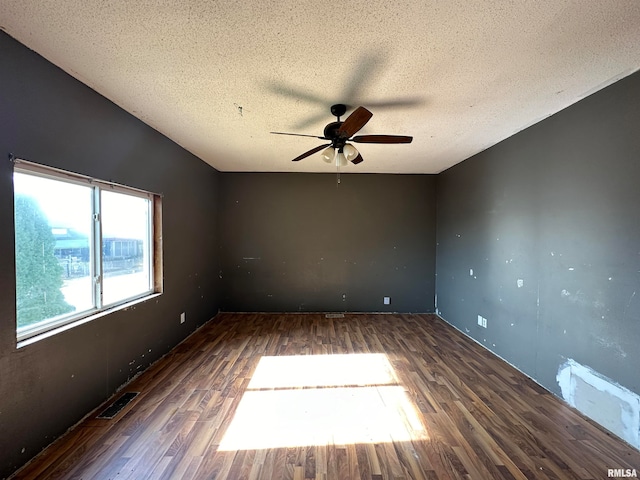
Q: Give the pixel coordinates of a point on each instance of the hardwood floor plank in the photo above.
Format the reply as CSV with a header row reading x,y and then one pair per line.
x,y
257,464
446,409
414,466
279,463
342,462
374,461
298,472
267,472
321,461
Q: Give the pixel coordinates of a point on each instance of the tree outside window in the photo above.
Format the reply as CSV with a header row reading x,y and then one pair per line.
x,y
38,274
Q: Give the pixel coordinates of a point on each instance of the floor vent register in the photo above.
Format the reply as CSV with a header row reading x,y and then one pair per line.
x,y
118,405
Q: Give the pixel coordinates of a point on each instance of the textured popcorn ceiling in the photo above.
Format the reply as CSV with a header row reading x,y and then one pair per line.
x,y
217,77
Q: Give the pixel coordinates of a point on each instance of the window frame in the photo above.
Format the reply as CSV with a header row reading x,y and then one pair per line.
x,y
29,334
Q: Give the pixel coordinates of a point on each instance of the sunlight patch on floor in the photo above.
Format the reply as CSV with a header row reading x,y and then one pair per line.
x,y
322,399
323,371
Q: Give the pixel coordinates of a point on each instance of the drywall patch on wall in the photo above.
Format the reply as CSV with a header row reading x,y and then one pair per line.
x,y
611,405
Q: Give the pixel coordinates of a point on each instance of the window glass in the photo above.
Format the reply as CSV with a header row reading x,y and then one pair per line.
x,y
53,248
125,221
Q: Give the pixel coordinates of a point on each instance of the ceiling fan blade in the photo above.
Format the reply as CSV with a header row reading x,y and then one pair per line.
x,y
382,139
298,135
355,121
357,160
310,152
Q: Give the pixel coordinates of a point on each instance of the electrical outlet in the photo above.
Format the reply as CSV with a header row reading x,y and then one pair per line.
x,y
183,317
386,300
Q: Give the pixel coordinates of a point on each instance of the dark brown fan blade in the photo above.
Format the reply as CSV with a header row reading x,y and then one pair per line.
x,y
381,139
310,152
297,135
355,122
357,160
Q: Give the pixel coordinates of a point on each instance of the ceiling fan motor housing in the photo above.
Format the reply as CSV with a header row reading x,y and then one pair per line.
x,y
331,131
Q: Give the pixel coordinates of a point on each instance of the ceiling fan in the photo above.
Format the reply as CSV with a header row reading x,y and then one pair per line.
x,y
339,152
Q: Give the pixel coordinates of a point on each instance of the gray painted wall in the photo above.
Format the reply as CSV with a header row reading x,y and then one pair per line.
x,y
50,118
557,207
298,242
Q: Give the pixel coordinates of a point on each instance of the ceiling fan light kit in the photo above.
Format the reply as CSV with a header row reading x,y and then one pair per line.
x,y
339,152
328,154
340,157
350,152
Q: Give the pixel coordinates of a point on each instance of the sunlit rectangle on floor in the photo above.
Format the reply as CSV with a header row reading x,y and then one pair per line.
x,y
291,418
308,400
323,371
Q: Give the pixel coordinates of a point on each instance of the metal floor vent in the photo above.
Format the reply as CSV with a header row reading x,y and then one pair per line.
x,y
334,315
118,405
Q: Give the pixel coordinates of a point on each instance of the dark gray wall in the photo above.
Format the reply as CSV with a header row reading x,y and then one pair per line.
x,y
556,206
50,118
298,242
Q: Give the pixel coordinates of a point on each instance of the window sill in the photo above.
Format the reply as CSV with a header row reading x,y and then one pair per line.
x,y
89,318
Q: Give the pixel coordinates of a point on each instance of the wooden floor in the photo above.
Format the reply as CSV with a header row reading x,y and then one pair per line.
x,y
291,396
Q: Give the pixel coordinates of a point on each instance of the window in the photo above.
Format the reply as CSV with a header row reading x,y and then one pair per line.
x,y
82,246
